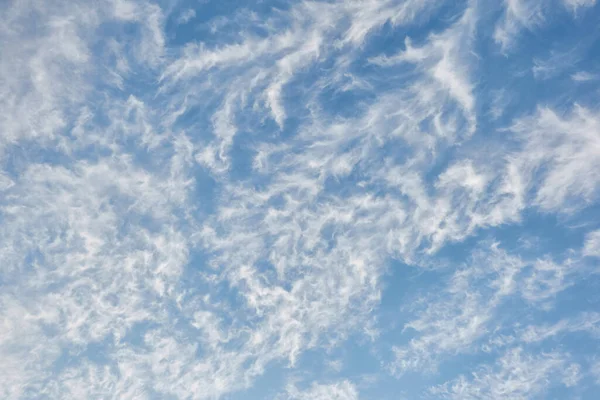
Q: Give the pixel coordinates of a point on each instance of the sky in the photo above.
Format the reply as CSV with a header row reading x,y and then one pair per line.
x,y
299,200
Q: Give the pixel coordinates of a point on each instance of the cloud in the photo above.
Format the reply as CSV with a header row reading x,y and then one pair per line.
x,y
36,90
586,322
459,317
583,76
559,157
343,390
187,211
445,59
518,15
592,244
516,375
470,308
186,16
546,280
575,5
554,65
595,370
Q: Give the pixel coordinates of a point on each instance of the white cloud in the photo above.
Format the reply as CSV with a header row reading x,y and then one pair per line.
x,y
586,322
583,76
36,89
559,157
546,279
343,390
91,278
575,5
592,244
186,16
459,317
529,15
516,375
518,15
445,58
595,370
142,258
556,63
466,315
500,100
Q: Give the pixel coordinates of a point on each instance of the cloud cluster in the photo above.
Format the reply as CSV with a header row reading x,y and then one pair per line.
x,y
516,376
195,200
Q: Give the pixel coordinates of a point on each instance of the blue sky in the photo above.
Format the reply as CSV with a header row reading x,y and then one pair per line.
x,y
361,199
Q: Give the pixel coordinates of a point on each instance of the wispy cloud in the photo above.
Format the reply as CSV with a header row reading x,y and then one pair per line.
x,y
454,321
343,390
198,198
586,322
555,64
186,16
592,244
518,15
565,145
517,375
583,76
575,5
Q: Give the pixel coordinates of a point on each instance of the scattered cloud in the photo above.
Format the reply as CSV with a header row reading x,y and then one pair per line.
x,y
518,15
583,76
592,244
190,211
343,390
516,375
555,64
575,5
186,16
559,156
587,322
